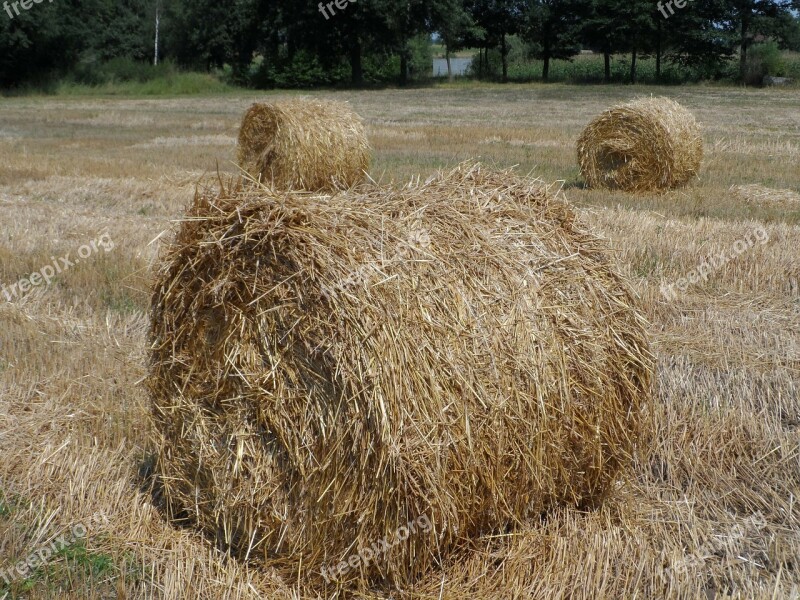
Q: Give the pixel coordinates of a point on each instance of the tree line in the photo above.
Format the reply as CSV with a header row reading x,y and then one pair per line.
x,y
267,43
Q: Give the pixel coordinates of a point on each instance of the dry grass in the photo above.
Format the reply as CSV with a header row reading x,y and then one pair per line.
x,y
726,425
764,196
645,145
304,144
287,388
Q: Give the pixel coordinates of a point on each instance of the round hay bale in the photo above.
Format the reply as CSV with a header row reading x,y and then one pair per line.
x,y
304,144
648,144
353,386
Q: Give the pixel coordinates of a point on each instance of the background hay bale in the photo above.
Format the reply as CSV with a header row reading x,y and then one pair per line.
x,y
304,144
326,369
648,144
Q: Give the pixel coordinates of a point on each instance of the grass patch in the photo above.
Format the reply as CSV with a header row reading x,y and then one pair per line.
x,y
172,84
76,568
122,301
120,290
127,77
87,563
9,501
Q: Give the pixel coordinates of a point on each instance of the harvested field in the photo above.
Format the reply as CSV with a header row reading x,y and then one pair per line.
x,y
764,196
711,509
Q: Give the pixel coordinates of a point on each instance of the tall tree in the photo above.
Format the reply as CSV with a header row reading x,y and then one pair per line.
x,y
452,21
553,29
639,30
622,26
211,33
697,36
753,17
34,44
52,39
123,29
405,19
604,31
498,19
361,28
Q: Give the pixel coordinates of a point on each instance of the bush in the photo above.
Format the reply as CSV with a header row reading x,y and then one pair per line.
x,y
792,62
125,76
302,71
379,68
305,70
383,68
421,58
519,66
119,70
762,60
584,68
173,84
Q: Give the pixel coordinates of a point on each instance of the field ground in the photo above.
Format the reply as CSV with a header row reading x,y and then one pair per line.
x,y
713,508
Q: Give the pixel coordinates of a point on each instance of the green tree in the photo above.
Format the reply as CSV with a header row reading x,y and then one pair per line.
x,y
405,19
52,39
211,33
363,27
553,29
123,29
748,18
34,44
639,30
497,20
604,31
622,26
697,38
452,21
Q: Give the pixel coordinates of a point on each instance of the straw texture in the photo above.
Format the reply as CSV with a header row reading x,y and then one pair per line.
x,y
306,144
645,145
765,196
326,369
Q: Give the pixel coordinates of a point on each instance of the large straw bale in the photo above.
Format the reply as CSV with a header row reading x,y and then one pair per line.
x,y
326,369
304,144
645,145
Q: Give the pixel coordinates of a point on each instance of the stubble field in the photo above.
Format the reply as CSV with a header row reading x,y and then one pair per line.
x,y
711,509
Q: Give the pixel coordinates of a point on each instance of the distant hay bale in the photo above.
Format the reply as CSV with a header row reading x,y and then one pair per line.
x,y
326,370
645,145
304,144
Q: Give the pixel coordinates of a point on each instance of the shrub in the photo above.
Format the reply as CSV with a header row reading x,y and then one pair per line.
x,y
762,60
791,62
173,84
120,70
